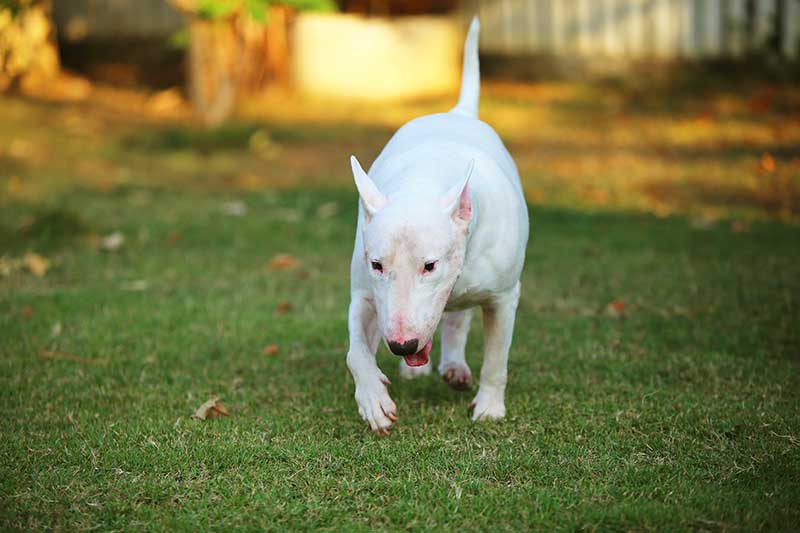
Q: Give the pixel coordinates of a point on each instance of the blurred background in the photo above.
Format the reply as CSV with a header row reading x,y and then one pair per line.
x,y
657,105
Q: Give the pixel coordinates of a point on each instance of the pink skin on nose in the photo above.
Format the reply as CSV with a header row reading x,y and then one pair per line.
x,y
396,329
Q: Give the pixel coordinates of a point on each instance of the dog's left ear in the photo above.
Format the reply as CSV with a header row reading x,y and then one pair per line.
x,y
456,201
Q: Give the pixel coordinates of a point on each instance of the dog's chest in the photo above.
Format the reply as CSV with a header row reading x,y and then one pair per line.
x,y
466,295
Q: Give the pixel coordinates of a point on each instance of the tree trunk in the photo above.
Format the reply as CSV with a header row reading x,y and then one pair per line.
x,y
267,50
215,66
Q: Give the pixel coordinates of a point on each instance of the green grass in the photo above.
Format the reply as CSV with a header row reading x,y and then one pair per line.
x,y
682,414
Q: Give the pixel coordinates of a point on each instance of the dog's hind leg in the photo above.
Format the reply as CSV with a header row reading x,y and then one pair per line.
x,y
453,365
498,328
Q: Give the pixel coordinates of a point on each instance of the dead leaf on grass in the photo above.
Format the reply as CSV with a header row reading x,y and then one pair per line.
x,y
768,163
211,409
270,349
740,226
328,210
616,308
286,214
704,222
283,307
282,262
112,242
7,266
136,285
48,354
38,265
27,312
234,209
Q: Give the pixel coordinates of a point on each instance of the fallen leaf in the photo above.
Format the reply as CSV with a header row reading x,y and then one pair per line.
x,y
234,209
282,262
136,285
616,308
27,312
768,163
47,354
328,210
270,349
92,240
37,264
703,222
286,214
112,242
740,226
8,266
211,409
283,307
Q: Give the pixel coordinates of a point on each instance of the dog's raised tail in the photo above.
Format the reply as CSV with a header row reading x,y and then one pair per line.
x,y
471,76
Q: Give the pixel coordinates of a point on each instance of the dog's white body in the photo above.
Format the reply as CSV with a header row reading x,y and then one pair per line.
x,y
429,247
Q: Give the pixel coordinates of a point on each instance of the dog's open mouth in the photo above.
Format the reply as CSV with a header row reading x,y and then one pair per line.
x,y
421,357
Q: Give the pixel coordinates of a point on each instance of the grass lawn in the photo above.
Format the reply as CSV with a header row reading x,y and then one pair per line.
x,y
683,412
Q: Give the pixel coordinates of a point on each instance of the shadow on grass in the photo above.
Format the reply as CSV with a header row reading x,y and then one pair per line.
x,y
243,136
778,195
685,86
45,229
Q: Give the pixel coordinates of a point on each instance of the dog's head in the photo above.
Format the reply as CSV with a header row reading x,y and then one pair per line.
x,y
414,251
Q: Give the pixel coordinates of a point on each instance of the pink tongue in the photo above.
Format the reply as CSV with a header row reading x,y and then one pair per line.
x,y
418,359
421,357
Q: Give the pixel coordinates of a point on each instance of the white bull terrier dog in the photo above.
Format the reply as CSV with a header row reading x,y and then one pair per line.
x,y
442,228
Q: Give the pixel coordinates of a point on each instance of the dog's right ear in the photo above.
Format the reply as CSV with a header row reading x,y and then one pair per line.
x,y
371,197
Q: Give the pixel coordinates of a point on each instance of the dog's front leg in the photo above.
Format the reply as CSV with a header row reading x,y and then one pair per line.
x,y
498,326
374,404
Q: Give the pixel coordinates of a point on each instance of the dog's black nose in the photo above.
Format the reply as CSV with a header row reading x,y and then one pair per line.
x,y
406,348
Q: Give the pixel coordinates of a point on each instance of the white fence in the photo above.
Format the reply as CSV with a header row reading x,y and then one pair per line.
x,y
639,28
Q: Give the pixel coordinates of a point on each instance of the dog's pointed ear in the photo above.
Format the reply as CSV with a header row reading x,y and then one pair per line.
x,y
371,197
456,201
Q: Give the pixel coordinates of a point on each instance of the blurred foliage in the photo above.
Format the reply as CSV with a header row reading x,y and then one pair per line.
x,y
256,9
14,7
179,40
26,46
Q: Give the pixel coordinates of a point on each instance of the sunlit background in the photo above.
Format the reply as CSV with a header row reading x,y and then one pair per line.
x,y
658,105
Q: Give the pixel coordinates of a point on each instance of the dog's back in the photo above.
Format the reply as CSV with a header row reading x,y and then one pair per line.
x,y
430,150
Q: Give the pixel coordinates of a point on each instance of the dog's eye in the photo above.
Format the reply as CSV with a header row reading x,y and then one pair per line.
x,y
377,267
430,266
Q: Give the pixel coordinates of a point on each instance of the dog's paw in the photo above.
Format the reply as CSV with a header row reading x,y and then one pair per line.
x,y
488,405
457,375
411,372
376,407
